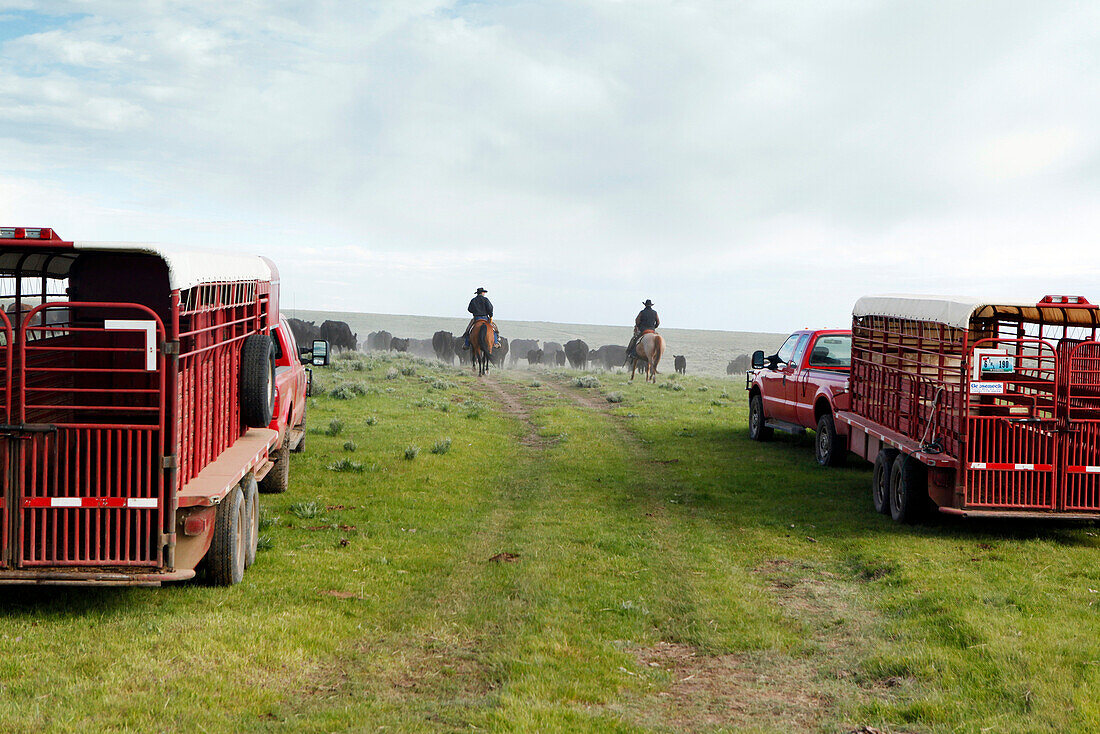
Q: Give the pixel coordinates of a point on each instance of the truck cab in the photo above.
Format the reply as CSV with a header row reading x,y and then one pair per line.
x,y
802,385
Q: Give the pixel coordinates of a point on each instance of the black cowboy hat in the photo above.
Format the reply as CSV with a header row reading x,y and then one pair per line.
x,y
647,302
479,291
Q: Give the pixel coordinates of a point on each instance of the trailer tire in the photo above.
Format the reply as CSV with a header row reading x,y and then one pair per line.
x,y
880,480
827,450
908,489
758,430
227,548
252,514
257,381
278,479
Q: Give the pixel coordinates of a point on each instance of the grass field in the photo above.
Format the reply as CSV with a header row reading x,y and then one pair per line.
x,y
520,553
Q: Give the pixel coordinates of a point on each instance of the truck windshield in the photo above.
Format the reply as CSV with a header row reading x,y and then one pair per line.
x,y
832,351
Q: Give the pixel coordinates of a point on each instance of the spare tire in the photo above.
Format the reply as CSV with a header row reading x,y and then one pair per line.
x,y
257,381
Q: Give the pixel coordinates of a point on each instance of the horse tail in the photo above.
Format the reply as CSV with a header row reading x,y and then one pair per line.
x,y
658,350
486,343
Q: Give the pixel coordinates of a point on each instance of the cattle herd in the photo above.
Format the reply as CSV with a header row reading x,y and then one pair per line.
x,y
447,347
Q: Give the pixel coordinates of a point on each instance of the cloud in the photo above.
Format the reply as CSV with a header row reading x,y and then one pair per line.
x,y
753,165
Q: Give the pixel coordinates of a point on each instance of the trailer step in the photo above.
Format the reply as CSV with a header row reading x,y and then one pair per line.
x,y
792,428
296,436
264,469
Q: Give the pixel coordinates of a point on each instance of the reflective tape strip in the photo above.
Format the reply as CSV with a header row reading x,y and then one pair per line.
x,y
1083,469
131,503
1009,467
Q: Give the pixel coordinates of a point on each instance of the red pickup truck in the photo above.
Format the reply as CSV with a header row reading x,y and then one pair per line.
x,y
802,386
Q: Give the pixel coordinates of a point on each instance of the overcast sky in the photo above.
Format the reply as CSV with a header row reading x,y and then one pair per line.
x,y
747,165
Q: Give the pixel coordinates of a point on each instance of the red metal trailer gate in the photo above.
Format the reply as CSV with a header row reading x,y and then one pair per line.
x,y
1035,444
83,449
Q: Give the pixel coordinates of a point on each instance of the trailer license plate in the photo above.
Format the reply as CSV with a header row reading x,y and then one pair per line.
x,y
998,363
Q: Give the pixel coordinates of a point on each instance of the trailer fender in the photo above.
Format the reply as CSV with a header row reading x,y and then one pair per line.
x,y
194,529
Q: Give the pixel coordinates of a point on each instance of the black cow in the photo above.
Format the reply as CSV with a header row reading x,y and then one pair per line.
x,y
501,353
738,364
338,335
443,344
534,356
576,352
559,359
462,354
520,348
399,345
681,363
305,332
610,356
550,352
379,341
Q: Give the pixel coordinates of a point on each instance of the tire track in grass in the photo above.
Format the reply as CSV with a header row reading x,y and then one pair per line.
x,y
425,663
750,689
680,685
450,671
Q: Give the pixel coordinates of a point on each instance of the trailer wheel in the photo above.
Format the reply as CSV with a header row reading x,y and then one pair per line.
x,y
278,479
758,431
252,512
908,489
227,548
257,381
827,448
880,480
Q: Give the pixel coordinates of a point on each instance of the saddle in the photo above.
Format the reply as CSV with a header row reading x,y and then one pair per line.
x,y
647,331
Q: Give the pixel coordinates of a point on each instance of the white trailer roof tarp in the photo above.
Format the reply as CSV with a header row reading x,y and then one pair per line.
x,y
957,311
188,268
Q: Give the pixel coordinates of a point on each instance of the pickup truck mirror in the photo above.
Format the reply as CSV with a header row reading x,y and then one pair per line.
x,y
758,359
320,352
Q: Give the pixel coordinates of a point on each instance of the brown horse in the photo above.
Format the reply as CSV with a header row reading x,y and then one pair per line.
x,y
649,349
482,337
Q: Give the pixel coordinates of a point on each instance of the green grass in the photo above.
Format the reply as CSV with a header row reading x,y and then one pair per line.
x,y
574,564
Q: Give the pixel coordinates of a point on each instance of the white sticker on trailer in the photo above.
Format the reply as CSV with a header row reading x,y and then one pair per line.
x,y
150,329
981,387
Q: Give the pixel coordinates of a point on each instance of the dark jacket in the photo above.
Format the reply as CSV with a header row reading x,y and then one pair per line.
x,y
480,306
647,319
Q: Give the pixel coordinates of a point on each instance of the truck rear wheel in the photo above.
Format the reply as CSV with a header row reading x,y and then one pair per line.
x,y
758,430
252,511
278,479
828,449
226,556
257,381
880,480
908,489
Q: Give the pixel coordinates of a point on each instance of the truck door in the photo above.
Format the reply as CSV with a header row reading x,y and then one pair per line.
x,y
792,375
1013,423
773,382
84,445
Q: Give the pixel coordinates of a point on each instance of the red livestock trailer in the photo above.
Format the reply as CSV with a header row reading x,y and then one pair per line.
x,y
982,407
139,386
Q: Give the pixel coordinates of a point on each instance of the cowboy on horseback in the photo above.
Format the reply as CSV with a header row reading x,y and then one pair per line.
x,y
646,320
482,309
